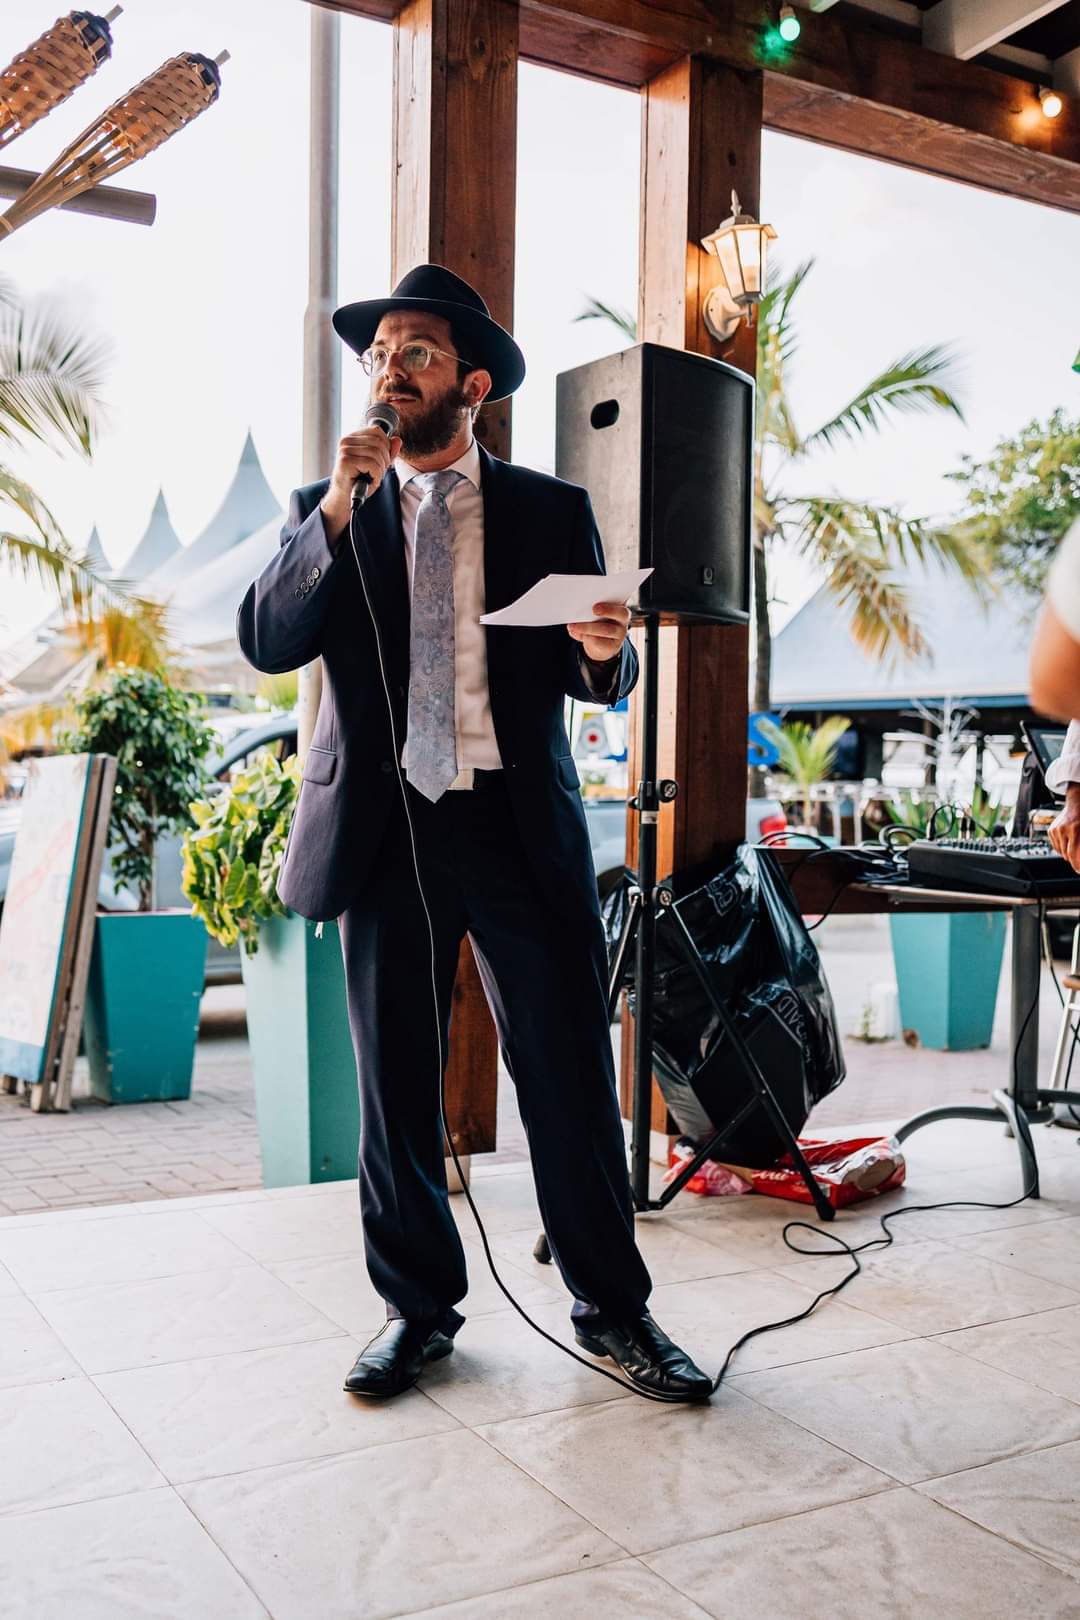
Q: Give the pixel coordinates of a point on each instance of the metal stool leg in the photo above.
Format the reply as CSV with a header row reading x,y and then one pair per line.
x,y
1069,1013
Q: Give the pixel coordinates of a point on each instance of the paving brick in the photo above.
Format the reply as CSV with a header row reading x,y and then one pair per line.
x,y
21,1199
48,1187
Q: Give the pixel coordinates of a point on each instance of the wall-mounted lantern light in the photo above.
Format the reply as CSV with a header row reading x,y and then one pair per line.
x,y
740,244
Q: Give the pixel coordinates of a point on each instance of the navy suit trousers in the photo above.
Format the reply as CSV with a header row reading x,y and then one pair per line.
x,y
545,981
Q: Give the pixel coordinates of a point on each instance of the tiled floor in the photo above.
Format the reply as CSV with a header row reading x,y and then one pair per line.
x,y
175,1443
96,1154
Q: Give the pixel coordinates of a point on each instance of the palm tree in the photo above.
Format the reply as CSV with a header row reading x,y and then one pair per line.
x,y
857,545
50,393
806,753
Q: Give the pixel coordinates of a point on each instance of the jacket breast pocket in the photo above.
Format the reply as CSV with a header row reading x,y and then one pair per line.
x,y
568,771
319,765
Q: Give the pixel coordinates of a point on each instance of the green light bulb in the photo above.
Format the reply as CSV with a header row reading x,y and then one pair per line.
x,y
790,26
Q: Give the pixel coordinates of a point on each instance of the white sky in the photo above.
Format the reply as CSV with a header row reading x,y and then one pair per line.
x,y
205,309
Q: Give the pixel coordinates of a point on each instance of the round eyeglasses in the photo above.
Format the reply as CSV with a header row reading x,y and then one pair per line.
x,y
414,357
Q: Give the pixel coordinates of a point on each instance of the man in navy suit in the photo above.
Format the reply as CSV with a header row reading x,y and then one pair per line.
x,y
440,798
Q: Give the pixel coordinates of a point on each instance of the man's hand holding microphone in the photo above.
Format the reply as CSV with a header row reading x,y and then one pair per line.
x,y
366,455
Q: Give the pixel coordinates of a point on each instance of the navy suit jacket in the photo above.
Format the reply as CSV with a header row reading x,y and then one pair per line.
x,y
309,602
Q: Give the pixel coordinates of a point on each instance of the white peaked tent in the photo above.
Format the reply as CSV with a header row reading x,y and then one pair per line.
x,y
94,553
202,609
160,541
201,584
248,504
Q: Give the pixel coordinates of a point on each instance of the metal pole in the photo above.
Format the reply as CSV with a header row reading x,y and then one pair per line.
x,y
648,807
108,202
1026,981
322,354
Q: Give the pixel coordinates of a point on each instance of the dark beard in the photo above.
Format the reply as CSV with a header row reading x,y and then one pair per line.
x,y
437,427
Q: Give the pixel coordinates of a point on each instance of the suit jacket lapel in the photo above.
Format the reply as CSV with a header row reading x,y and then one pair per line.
x,y
381,544
500,558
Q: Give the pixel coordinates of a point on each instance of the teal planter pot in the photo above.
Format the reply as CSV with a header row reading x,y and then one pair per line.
x,y
142,1005
306,1100
947,972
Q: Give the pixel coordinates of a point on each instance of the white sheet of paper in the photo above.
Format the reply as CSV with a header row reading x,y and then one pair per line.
x,y
568,598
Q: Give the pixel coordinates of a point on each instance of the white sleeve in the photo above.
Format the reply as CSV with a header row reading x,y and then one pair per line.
x,y
1063,582
1066,768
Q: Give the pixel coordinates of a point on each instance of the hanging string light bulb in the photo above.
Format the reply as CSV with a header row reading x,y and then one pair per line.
x,y
130,129
49,70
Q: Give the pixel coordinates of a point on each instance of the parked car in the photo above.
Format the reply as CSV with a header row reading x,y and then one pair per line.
x,y
242,741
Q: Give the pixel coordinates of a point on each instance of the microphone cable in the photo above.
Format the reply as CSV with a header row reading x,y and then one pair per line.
x,y
840,1245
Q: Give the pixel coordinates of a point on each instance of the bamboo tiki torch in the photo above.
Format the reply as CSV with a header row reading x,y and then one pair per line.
x,y
130,129
46,73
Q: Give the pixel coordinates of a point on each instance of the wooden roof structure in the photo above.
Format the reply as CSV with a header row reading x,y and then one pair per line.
x,y
950,89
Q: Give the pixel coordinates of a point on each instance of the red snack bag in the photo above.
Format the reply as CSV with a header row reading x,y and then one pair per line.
x,y
847,1172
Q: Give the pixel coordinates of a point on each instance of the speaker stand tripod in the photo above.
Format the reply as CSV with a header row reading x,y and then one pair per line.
x,y
638,932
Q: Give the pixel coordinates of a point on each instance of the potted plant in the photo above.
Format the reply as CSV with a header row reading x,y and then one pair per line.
x,y
805,756
147,967
306,1100
948,964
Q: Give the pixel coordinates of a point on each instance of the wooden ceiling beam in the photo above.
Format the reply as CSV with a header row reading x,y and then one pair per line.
x,y
841,85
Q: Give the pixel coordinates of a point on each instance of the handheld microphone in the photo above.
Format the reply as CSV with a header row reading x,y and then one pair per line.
x,y
385,417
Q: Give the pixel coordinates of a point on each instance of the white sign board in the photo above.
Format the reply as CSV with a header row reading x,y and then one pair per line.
x,y
38,910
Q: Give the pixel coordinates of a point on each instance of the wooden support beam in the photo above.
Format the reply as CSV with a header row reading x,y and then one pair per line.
x,y
701,137
453,201
843,83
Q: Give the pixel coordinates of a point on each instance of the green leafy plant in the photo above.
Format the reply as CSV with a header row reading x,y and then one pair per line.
x,y
160,742
908,809
806,752
233,853
1022,499
915,810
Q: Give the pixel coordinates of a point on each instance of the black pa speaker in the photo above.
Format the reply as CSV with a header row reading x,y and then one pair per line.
x,y
663,441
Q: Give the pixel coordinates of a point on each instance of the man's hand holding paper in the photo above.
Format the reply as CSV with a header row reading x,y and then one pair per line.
x,y
600,626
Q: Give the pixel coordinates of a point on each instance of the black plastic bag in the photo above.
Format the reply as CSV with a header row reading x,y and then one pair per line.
x,y
746,924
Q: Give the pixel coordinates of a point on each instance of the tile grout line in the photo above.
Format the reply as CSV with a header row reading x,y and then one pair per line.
x,y
998,1535
547,1488
572,1574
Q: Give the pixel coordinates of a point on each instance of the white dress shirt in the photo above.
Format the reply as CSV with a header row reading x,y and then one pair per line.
x,y
477,748
1066,768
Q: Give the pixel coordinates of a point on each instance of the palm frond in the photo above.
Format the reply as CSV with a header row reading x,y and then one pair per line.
x,y
51,376
596,311
33,508
849,542
806,752
915,382
954,548
79,590
133,633
776,345
776,327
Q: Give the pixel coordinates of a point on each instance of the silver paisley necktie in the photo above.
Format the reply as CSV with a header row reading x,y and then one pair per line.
x,y
431,738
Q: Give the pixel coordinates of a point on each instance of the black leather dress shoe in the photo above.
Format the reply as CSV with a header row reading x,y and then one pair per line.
x,y
395,1358
649,1359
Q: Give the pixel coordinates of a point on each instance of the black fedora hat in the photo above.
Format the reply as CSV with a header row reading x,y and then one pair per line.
x,y
482,342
